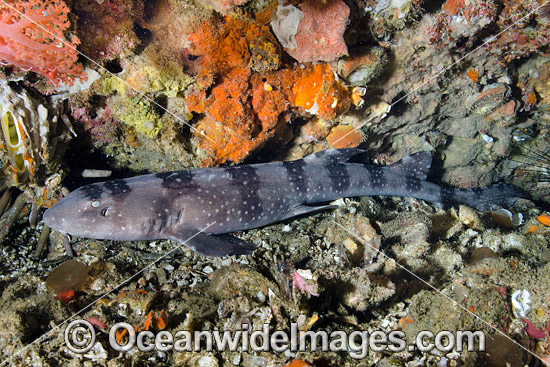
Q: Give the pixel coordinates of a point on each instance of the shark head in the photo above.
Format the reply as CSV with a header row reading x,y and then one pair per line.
x,y
91,211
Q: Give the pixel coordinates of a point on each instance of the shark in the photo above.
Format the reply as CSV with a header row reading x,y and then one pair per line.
x,y
200,208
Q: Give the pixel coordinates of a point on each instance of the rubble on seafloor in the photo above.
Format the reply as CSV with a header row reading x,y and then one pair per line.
x,y
173,84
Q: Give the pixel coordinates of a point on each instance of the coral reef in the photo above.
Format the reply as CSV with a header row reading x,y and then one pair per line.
x,y
318,92
107,27
103,128
459,21
186,86
140,114
390,15
238,126
31,38
224,6
248,99
526,36
230,129
224,44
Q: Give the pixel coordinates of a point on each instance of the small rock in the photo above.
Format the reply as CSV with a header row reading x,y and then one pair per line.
x,y
481,253
492,96
169,268
469,218
408,228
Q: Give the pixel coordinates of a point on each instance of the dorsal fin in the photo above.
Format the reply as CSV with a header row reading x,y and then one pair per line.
x,y
415,165
332,155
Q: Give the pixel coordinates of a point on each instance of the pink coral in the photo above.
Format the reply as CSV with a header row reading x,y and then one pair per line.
x,y
320,35
31,37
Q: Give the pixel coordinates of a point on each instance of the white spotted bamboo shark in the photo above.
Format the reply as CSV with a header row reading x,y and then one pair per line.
x,y
176,205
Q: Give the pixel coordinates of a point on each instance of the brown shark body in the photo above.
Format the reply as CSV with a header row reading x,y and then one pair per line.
x,y
177,205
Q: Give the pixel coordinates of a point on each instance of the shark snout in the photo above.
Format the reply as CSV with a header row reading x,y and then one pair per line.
x,y
52,218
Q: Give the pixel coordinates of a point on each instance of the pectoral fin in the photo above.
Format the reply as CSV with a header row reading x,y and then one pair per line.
x,y
213,245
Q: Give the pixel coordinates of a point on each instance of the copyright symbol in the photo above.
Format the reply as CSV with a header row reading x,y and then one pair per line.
x,y
80,336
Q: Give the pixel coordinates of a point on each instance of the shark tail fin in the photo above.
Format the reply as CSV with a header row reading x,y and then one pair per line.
x,y
490,197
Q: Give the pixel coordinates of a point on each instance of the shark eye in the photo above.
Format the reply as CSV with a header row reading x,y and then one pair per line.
x,y
105,211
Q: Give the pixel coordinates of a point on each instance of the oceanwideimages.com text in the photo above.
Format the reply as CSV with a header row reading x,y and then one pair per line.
x,y
80,337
